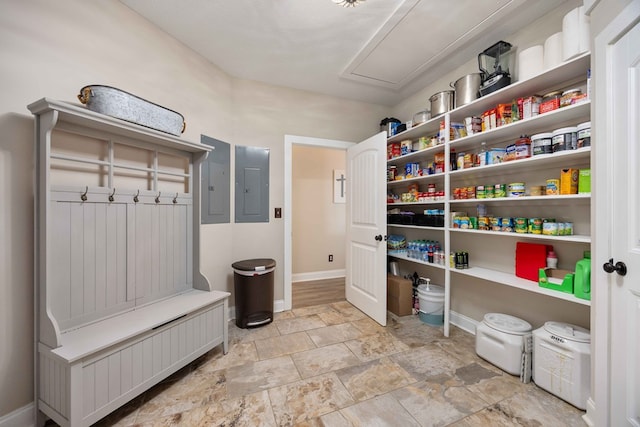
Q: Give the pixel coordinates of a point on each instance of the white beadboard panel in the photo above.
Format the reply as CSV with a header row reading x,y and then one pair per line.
x,y
115,374
60,278
88,261
101,257
76,259
53,383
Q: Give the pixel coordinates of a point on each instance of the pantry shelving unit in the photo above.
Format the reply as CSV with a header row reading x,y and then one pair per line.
x,y
497,265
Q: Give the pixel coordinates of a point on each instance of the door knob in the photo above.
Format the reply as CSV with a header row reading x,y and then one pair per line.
x,y
379,238
619,267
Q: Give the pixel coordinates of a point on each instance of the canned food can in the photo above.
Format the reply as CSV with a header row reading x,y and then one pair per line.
x,y
553,187
500,190
560,228
480,192
568,228
496,223
535,225
483,223
508,225
550,228
521,225
489,192
471,192
516,189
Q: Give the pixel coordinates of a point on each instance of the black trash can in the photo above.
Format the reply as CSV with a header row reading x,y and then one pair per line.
x,y
253,286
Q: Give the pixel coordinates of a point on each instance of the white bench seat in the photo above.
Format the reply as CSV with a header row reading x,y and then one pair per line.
x,y
95,337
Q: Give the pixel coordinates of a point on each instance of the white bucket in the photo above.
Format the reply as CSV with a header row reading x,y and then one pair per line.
x,y
431,299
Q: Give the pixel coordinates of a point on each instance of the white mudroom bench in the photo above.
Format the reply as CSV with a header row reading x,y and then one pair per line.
x,y
120,302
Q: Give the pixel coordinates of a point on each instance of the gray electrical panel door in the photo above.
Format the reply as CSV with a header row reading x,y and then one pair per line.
x,y
252,184
216,183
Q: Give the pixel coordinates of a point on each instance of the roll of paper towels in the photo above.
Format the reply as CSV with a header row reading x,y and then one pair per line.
x,y
553,51
575,33
530,62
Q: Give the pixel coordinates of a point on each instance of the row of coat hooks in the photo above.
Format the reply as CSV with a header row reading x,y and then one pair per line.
x,y
136,198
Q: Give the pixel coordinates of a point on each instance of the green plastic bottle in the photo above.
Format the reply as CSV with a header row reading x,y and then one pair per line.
x,y
582,284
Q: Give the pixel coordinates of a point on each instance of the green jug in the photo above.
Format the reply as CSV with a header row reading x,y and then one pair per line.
x,y
582,284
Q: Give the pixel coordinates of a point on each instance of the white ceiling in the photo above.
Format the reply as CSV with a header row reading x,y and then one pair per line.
x,y
380,51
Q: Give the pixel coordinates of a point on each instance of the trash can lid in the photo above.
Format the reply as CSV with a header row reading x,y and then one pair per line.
x,y
258,264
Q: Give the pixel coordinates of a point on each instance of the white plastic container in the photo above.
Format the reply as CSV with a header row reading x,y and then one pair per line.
x,y
502,341
562,361
431,299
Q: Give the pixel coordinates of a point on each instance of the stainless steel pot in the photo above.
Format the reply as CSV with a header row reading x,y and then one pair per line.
x,y
467,88
442,102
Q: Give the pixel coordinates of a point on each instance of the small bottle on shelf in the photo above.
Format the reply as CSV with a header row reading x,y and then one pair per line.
x,y
552,260
482,155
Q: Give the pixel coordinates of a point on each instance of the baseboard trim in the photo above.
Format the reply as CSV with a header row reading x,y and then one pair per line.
x,y
590,415
463,322
318,275
21,417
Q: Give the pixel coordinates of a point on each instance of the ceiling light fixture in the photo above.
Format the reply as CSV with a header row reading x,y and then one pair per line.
x,y
348,3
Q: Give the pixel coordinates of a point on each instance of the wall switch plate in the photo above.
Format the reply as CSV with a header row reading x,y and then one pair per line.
x,y
278,212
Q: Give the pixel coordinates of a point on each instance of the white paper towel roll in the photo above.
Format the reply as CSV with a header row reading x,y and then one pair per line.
x,y
575,33
585,30
530,62
553,51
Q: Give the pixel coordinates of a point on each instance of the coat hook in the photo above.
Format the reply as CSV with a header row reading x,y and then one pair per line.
x,y
113,193
83,196
158,197
175,199
136,199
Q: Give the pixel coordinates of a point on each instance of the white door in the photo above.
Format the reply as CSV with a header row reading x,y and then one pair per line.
x,y
625,290
366,285
618,133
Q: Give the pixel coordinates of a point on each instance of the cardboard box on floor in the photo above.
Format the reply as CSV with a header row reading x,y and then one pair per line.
x,y
399,295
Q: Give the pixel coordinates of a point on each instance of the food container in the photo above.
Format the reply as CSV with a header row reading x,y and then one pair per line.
x,y
550,102
489,120
521,225
535,225
583,136
508,224
500,190
125,106
553,187
405,147
531,106
421,117
550,228
503,114
562,363
467,88
542,143
569,181
569,96
516,189
537,190
564,139
442,102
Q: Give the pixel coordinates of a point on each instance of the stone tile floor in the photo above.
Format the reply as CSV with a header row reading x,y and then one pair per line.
x,y
330,365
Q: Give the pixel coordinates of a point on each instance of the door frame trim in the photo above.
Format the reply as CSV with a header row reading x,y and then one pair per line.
x,y
289,141
599,405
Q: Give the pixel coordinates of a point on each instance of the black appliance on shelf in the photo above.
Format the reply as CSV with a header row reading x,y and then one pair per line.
x,y
494,66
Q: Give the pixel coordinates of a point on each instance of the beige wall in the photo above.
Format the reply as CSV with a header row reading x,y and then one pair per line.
x,y
52,49
318,224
